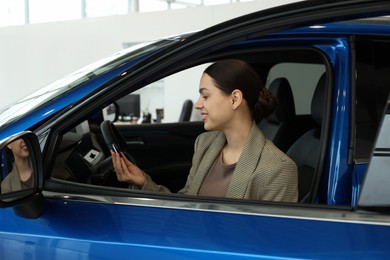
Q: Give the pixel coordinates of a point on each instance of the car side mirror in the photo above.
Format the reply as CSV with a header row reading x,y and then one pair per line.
x,y
111,112
21,175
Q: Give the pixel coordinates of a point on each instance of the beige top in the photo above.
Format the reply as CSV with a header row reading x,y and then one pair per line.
x,y
218,179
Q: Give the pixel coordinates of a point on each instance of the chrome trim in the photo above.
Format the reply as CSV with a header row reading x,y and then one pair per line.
x,y
361,161
298,211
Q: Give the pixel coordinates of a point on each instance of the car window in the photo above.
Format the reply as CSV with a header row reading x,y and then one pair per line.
x,y
163,101
162,145
303,78
69,82
372,88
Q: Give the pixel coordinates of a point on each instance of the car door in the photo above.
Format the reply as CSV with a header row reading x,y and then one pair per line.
x,y
164,151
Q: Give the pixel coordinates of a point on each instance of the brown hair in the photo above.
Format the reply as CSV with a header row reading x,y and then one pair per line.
x,y
232,74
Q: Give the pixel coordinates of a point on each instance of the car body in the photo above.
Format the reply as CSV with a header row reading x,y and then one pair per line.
x,y
77,208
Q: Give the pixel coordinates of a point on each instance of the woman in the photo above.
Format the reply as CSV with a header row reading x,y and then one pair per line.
x,y
21,177
233,159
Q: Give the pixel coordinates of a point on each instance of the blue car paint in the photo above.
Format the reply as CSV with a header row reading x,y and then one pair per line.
x,y
4,168
339,179
114,231
340,29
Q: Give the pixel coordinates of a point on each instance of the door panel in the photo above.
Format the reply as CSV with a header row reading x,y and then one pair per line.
x,y
164,151
70,229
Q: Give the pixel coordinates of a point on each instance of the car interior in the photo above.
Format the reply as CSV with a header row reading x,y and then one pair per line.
x,y
163,147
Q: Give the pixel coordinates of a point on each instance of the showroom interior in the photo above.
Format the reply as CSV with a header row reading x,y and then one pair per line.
x,y
44,40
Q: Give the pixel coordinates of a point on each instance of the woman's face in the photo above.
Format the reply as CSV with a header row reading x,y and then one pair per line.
x,y
215,106
19,148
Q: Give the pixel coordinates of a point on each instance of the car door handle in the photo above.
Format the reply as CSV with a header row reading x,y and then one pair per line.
x,y
135,141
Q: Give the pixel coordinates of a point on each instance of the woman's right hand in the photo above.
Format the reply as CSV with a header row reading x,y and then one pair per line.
x,y
127,171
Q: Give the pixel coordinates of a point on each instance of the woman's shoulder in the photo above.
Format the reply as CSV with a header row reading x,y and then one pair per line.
x,y
274,152
6,184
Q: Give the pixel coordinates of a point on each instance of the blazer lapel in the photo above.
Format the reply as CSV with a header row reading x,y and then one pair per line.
x,y
206,163
247,163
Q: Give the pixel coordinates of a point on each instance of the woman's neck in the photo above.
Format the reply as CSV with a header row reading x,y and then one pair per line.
x,y
24,169
236,138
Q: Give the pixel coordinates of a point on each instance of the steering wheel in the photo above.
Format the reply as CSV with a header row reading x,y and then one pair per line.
x,y
112,136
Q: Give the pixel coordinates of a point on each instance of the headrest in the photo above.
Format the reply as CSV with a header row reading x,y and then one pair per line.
x,y
318,100
186,111
286,107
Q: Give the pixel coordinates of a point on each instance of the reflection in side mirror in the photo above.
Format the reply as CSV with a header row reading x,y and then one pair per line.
x,y
111,112
17,173
21,175
17,170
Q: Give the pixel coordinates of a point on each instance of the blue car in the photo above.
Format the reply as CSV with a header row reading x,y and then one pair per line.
x,y
328,64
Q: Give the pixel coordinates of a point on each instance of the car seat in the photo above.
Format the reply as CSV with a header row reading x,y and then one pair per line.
x,y
306,150
186,111
279,126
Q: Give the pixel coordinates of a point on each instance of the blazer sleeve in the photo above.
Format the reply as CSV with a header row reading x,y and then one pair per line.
x,y
150,185
11,182
277,179
282,185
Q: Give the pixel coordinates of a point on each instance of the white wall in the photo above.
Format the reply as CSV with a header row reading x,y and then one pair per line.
x,y
38,54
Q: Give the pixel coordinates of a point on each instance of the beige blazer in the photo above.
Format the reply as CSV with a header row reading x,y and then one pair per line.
x,y
263,172
11,182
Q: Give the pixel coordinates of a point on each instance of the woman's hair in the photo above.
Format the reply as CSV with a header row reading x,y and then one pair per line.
x,y
232,74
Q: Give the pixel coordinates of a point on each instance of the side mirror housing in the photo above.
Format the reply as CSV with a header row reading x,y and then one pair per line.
x,y
21,175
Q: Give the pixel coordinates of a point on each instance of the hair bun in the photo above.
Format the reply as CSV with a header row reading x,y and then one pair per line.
x,y
265,105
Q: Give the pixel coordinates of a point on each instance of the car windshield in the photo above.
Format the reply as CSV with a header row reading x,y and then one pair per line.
x,y
59,87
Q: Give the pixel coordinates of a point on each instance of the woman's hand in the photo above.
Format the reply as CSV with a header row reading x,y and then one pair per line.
x,y
126,171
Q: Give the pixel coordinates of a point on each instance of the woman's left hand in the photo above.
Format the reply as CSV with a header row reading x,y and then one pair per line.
x,y
127,171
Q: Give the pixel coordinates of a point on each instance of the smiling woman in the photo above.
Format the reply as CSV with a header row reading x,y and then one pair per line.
x,y
234,159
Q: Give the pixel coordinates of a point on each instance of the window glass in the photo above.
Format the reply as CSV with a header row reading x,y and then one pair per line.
x,y
178,6
216,2
191,2
96,8
42,11
372,88
163,99
167,96
303,79
12,12
152,5
163,150
61,86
